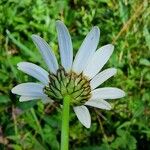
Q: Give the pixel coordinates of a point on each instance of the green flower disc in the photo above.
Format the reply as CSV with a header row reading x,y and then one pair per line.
x,y
77,86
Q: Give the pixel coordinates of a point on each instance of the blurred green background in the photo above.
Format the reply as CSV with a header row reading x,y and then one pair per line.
x,y
35,126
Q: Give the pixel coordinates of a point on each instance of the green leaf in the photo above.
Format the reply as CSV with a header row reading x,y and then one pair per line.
x,y
145,62
147,36
4,99
124,141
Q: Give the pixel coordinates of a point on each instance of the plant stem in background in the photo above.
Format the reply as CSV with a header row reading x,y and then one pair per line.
x,y
65,123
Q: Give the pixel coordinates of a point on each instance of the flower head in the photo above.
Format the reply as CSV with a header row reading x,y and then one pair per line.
x,y
79,78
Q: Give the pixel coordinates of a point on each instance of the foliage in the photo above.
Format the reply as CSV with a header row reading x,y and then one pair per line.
x,y
32,125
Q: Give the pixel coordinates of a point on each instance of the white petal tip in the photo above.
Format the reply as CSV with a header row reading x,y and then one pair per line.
x,y
34,36
108,108
47,100
23,100
59,22
123,93
88,126
14,90
96,28
114,70
110,47
19,64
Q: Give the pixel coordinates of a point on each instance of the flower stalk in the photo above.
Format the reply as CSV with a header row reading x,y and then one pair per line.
x,y
65,123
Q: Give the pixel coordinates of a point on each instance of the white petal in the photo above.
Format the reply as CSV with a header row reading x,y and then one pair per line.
x,y
65,45
107,93
46,52
83,115
46,100
86,50
29,89
28,98
98,60
98,103
34,71
102,77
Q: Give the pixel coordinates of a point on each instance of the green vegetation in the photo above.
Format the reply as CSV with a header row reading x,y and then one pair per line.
x,y
35,126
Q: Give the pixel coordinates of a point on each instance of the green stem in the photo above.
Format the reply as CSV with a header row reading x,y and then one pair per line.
x,y
65,123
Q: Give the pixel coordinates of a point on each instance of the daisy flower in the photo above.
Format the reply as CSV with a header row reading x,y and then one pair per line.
x,y
79,78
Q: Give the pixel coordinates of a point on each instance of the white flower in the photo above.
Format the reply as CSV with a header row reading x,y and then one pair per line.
x,y
86,66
